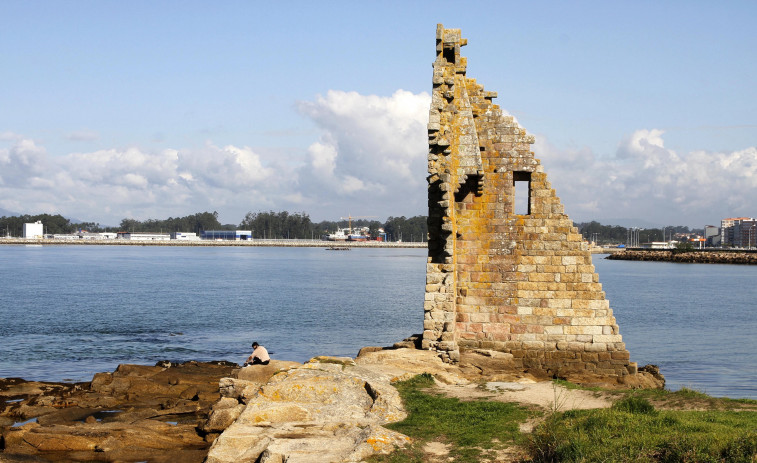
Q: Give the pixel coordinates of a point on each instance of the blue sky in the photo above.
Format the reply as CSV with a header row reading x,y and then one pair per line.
x,y
642,110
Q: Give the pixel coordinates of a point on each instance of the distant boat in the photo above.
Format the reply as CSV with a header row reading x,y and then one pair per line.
x,y
339,235
348,234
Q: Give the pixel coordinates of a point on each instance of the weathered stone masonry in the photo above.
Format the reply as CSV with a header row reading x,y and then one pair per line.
x,y
518,283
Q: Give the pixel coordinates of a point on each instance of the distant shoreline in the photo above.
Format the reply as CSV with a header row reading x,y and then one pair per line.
x,y
283,243
293,243
688,257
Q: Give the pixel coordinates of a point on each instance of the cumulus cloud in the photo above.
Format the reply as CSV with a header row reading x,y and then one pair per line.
x,y
367,158
108,185
646,180
21,163
370,158
371,153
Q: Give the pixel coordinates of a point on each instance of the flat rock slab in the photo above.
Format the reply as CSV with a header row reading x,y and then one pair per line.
x,y
136,413
328,409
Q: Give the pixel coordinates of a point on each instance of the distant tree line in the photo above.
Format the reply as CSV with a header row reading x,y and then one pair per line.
x,y
192,223
298,225
14,225
57,224
269,224
279,225
615,234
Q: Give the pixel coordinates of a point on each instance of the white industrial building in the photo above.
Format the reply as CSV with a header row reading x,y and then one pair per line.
x,y
144,236
34,230
184,236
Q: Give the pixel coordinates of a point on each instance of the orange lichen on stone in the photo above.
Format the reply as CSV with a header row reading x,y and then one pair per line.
x,y
492,253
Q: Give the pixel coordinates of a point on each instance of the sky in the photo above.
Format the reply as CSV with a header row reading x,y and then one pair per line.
x,y
643,112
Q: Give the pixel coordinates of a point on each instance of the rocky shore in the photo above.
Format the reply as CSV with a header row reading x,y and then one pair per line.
x,y
690,257
327,409
136,413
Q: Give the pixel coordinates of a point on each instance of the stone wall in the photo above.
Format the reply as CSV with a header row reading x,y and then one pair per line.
x,y
522,282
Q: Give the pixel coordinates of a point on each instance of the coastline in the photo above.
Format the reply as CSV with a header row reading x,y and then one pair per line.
x,y
285,243
218,412
688,257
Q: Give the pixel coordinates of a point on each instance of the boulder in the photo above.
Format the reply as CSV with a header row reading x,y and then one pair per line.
x,y
404,363
221,418
328,409
238,389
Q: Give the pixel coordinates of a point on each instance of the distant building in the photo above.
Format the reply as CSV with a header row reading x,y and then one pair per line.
x,y
144,236
184,236
745,234
738,231
64,236
227,235
34,230
711,236
657,245
728,233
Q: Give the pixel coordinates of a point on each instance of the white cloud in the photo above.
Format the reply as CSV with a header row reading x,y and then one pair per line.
x,y
369,159
108,185
646,180
21,163
371,154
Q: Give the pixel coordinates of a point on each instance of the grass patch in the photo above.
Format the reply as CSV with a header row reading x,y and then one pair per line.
x,y
634,431
472,428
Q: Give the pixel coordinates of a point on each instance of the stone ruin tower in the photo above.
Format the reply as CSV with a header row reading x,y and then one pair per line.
x,y
497,278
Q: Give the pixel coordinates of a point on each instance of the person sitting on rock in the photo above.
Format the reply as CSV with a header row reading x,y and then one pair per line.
x,y
259,355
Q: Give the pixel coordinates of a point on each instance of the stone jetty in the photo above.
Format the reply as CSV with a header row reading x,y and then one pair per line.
x,y
690,257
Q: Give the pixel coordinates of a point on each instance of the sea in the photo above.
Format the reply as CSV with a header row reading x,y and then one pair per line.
x,y
67,312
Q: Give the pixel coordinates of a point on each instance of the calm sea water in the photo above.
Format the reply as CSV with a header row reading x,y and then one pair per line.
x,y
67,312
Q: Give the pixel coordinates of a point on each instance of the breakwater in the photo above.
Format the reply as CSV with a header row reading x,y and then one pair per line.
x,y
690,257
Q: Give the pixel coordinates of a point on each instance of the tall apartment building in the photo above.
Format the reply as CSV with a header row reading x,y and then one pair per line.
x,y
738,231
745,234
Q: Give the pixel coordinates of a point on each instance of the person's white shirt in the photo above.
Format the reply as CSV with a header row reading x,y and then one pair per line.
x,y
261,353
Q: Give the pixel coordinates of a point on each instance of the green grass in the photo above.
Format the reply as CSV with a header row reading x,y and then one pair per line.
x,y
472,428
634,431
